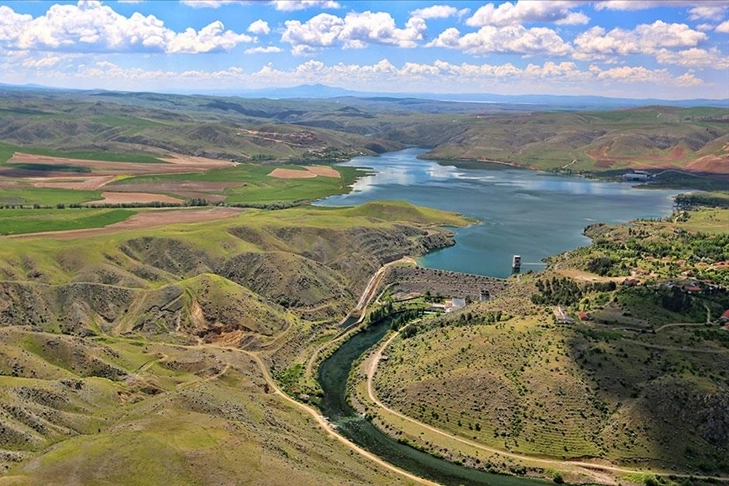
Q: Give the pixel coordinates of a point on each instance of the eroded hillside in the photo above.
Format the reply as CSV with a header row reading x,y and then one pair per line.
x,y
153,342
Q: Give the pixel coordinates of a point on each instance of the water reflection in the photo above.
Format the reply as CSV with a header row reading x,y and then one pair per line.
x,y
523,212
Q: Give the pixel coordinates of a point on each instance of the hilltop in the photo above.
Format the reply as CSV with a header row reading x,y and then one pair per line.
x,y
144,348
685,141
613,355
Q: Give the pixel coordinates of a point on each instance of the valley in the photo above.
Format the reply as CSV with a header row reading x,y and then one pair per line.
x,y
175,273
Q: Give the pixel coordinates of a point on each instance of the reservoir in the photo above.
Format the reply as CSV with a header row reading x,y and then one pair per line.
x,y
520,212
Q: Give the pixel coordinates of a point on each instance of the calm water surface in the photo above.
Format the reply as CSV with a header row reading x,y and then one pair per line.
x,y
532,214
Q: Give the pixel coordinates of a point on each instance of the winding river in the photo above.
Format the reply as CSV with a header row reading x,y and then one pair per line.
x,y
333,373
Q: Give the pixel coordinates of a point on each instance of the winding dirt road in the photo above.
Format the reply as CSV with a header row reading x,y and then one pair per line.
x,y
364,300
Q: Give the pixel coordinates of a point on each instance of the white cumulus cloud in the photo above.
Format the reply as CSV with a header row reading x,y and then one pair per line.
x,y
511,39
711,12
438,12
355,31
93,27
597,43
291,5
695,57
259,27
723,27
282,5
648,4
524,11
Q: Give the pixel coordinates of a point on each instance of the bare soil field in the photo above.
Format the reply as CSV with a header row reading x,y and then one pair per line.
x,y
176,165
92,183
291,174
143,220
323,170
210,191
189,160
134,197
311,171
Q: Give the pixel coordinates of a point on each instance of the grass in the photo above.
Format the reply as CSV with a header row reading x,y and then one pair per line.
x,y
45,196
405,211
257,187
19,221
54,168
219,431
548,390
7,150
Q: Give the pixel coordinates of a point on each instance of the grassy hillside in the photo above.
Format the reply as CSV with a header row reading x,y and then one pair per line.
x,y
102,129
112,410
141,127
653,138
637,375
132,355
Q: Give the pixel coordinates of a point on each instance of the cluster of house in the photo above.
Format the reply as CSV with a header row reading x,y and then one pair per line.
x,y
693,286
724,320
451,305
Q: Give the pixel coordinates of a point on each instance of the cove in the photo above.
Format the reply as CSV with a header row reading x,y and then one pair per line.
x,y
522,212
333,374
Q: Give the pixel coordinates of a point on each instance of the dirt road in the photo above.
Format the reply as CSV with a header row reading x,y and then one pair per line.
x,y
577,466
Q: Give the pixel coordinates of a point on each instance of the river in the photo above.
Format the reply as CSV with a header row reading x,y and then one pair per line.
x,y
333,373
522,212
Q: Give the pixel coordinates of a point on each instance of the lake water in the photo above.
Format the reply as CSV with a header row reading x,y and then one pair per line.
x,y
521,212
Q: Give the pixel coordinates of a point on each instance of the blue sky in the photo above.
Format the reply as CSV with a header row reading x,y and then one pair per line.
x,y
626,48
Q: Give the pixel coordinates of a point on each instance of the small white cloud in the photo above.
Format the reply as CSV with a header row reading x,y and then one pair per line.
x,y
710,12
688,79
206,3
263,50
292,5
723,27
259,27
438,12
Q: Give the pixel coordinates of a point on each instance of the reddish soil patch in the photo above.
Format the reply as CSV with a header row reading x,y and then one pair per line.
x,y
134,197
710,164
292,174
311,171
143,220
604,163
8,184
677,153
323,170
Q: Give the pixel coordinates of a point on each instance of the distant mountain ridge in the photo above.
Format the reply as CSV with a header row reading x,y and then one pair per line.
x,y
324,92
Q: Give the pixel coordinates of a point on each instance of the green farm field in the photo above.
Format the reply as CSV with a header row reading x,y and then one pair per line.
x,y
20,221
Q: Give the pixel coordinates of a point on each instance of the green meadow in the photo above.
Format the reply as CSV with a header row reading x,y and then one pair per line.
x,y
19,221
